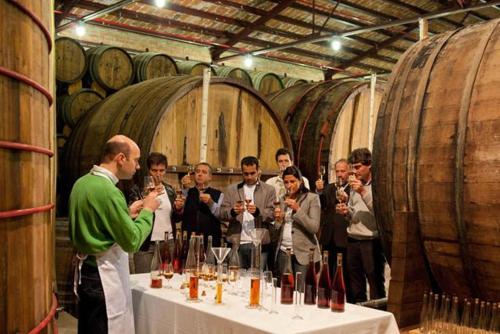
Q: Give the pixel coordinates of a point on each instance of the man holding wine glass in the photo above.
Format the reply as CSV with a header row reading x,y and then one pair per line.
x,y
202,206
333,231
365,258
244,218
102,230
167,215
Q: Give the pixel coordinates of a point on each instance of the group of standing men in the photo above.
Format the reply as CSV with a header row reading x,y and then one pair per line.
x,y
103,228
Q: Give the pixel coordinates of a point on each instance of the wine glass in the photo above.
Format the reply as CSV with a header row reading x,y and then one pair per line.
x,y
149,185
178,192
248,201
240,203
322,171
168,273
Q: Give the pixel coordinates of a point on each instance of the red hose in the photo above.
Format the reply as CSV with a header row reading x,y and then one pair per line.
x,y
48,318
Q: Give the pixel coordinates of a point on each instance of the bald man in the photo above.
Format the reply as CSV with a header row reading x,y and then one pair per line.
x,y
103,229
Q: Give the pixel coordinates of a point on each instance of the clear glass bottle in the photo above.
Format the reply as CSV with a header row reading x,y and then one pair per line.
x,y
156,263
177,258
191,270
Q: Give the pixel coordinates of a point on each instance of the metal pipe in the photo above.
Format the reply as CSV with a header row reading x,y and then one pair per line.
x,y
95,15
358,31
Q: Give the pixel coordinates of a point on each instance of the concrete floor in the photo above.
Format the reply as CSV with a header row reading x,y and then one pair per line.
x,y
66,323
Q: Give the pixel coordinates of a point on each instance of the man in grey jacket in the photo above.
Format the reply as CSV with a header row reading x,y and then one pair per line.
x,y
256,213
365,258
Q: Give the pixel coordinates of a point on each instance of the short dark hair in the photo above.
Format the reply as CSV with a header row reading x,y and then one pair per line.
x,y
156,158
249,161
204,164
295,171
112,148
361,155
283,151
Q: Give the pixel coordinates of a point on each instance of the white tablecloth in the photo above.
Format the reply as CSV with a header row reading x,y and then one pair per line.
x,y
168,311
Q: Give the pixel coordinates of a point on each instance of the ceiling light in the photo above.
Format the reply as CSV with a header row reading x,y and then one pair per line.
x,y
80,30
336,44
248,61
160,3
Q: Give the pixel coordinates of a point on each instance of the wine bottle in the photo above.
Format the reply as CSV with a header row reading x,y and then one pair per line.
x,y
185,248
177,261
311,281
191,271
324,284
287,280
337,302
156,280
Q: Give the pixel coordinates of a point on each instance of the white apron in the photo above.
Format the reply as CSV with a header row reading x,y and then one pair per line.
x,y
113,269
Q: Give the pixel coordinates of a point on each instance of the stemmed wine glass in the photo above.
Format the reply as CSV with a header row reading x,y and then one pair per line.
x,y
248,200
168,273
322,171
340,193
149,185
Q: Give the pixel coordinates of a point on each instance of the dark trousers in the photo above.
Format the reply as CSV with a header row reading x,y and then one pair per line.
x,y
365,261
92,317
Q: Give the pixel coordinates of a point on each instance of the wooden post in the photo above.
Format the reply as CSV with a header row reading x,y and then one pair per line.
x,y
204,115
373,85
423,28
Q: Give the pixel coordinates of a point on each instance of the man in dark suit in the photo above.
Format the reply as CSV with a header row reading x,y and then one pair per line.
x,y
333,230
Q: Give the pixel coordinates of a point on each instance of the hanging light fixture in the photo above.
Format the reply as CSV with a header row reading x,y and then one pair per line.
x,y
160,3
80,29
248,61
336,44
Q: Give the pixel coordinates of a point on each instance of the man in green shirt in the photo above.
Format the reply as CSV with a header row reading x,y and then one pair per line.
x,y
103,230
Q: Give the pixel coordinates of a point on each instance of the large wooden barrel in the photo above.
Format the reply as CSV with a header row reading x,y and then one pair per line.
x,y
437,167
236,73
164,115
193,67
289,82
71,60
111,67
326,120
150,65
26,147
72,107
266,82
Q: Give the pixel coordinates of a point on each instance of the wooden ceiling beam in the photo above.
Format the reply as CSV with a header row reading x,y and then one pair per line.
x,y
373,51
249,28
347,21
224,45
65,7
129,14
419,10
